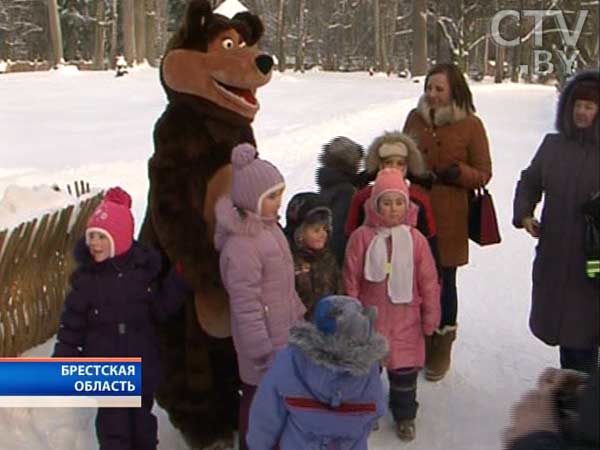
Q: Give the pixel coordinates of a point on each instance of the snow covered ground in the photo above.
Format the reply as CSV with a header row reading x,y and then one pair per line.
x,y
64,126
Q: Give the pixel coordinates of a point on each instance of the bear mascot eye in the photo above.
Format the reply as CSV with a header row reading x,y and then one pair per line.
x,y
227,43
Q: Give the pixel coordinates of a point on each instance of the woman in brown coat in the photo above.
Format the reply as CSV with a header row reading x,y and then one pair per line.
x,y
565,299
454,143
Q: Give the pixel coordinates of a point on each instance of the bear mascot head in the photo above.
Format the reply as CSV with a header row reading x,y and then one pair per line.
x,y
211,72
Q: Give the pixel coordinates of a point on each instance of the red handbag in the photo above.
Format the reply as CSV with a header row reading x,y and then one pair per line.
x,y
483,224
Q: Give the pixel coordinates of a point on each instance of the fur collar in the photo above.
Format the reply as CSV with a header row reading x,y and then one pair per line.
x,y
335,353
446,115
230,221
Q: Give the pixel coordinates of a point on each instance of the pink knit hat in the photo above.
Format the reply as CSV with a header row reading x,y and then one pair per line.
x,y
389,180
253,178
113,218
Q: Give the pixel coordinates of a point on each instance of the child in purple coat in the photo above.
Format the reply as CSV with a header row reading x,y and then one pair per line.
x,y
112,310
324,391
257,270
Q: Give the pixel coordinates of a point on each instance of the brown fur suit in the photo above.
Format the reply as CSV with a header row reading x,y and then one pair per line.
x,y
210,73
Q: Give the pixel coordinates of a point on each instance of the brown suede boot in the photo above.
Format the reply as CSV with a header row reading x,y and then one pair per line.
x,y
438,348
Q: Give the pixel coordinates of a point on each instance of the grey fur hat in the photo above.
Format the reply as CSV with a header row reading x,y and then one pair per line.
x,y
342,153
342,336
415,162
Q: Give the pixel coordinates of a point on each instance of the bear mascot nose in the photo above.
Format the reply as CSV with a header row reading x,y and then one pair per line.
x,y
264,63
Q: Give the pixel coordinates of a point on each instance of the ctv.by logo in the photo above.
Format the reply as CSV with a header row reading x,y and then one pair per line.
x,y
543,58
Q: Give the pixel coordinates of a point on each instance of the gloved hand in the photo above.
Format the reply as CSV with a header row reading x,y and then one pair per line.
x,y
532,226
449,175
425,180
261,365
536,410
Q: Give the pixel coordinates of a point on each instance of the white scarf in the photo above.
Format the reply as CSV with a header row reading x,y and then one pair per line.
x,y
399,269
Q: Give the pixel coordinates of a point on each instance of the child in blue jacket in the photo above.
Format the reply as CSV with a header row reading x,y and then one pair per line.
x,y
324,391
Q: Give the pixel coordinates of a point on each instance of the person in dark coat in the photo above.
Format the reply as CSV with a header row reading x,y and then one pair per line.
x,y
308,227
113,309
561,414
338,179
565,302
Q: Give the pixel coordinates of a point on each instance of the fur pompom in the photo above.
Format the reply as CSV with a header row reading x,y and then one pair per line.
x,y
118,196
242,155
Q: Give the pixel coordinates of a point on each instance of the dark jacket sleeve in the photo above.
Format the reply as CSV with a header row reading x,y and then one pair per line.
x,y
73,324
539,440
168,296
339,209
529,188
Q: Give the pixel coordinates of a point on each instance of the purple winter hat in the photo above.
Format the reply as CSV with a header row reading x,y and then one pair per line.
x,y
253,178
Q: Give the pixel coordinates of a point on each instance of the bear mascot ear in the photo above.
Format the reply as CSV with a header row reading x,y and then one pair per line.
x,y
252,26
192,32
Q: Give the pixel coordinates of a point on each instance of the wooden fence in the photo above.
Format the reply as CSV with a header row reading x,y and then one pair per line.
x,y
35,264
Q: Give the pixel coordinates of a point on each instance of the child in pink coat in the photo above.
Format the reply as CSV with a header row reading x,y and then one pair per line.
x,y
257,270
389,265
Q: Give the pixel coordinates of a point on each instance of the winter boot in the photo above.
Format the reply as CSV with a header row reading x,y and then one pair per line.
x,y
403,401
406,430
438,351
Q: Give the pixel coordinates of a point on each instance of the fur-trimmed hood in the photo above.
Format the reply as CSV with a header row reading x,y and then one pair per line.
x,y
374,219
415,162
343,154
564,113
232,221
335,353
443,116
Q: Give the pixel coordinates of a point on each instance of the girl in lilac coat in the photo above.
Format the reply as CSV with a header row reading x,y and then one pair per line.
x,y
389,266
257,270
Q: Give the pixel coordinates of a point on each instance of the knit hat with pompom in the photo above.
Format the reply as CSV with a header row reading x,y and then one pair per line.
x,y
253,178
114,219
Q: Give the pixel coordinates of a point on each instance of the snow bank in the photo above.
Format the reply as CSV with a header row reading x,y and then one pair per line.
x,y
22,204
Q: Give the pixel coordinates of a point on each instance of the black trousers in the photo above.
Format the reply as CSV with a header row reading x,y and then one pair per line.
x,y
449,297
584,360
403,393
127,428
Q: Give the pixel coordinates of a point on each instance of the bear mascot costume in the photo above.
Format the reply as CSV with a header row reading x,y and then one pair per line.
x,y
210,72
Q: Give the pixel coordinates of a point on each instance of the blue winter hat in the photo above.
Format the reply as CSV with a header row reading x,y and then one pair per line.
x,y
344,316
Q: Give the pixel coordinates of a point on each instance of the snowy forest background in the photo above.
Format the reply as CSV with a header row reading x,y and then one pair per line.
x,y
341,35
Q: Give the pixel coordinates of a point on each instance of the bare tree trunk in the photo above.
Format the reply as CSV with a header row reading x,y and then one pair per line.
x,y
129,31
113,35
280,36
516,51
150,34
99,36
391,48
383,38
140,30
486,55
419,37
55,33
301,38
499,64
377,37
163,23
